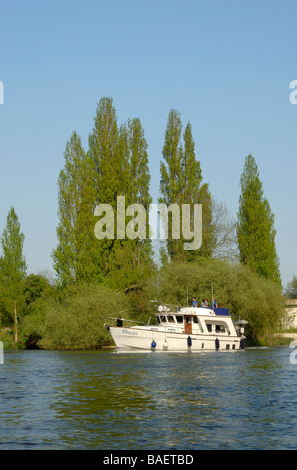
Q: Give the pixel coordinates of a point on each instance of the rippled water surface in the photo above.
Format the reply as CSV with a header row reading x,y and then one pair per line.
x,y
108,400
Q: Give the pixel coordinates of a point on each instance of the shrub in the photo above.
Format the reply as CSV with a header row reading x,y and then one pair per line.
x,y
254,299
77,322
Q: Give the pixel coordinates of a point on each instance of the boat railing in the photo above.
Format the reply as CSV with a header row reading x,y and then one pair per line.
x,y
124,320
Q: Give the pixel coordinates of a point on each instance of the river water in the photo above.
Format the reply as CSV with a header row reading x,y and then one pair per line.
x,y
162,401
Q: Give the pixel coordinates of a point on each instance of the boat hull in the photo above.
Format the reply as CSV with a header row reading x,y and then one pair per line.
x,y
156,340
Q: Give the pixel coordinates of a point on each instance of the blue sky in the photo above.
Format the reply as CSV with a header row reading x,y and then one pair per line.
x,y
226,65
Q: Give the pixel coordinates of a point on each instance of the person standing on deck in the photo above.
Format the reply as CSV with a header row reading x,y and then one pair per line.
x,y
194,302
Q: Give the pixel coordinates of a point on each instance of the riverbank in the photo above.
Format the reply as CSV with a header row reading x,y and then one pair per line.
x,y
290,336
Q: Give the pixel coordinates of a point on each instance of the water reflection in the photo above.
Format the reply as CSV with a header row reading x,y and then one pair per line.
x,y
106,400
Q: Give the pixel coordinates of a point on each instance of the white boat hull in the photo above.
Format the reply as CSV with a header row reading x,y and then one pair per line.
x,y
145,338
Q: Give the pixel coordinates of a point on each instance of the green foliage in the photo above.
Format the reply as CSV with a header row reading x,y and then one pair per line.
x,y
76,257
258,301
116,164
181,183
12,270
7,338
36,286
78,322
106,277
255,228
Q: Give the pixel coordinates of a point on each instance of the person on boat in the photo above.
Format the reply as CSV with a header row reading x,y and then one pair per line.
x,y
204,303
214,304
194,302
119,321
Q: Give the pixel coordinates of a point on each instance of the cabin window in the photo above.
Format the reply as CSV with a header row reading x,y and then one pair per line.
x,y
163,319
195,319
158,319
227,346
179,318
233,346
209,325
220,329
170,319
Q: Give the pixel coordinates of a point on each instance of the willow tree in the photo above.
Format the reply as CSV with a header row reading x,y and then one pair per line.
x,y
255,226
181,183
12,269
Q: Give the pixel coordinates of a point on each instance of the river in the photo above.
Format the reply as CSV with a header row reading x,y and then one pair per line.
x,y
141,401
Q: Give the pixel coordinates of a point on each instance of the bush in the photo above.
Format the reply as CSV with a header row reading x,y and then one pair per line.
x,y
78,321
254,299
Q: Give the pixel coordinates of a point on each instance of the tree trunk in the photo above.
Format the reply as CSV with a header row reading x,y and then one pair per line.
x,y
15,324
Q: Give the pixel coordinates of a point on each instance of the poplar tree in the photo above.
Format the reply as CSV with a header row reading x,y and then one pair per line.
x,y
75,256
181,183
135,185
116,164
12,269
120,161
171,181
197,192
107,164
255,226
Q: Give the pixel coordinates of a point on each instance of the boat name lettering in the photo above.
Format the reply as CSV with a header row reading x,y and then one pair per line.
x,y
128,332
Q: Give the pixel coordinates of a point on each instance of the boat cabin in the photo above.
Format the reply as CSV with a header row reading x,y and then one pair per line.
x,y
195,320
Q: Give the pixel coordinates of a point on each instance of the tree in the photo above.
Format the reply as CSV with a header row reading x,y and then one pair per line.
x,y
255,226
108,163
130,259
78,321
225,242
75,256
291,290
116,165
12,269
181,183
120,159
257,300
103,150
36,286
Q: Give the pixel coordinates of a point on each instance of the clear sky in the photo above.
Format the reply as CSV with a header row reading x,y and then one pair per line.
x,y
226,65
